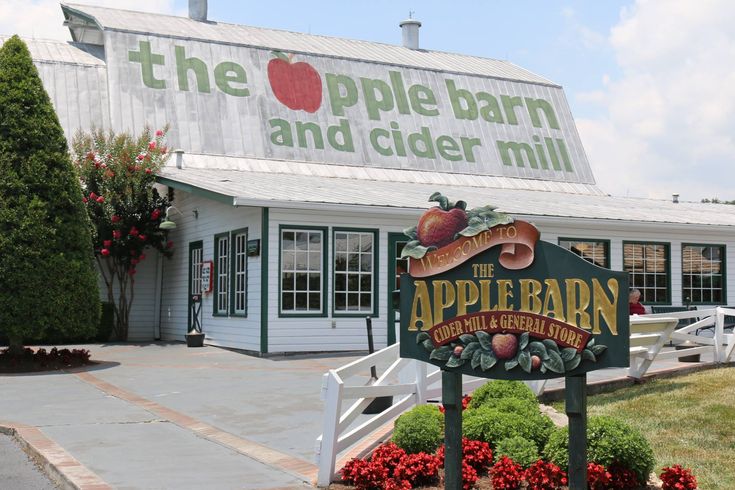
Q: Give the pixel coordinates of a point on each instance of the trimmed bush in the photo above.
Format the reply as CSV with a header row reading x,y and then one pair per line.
x,y
609,442
492,391
519,449
492,426
421,429
46,255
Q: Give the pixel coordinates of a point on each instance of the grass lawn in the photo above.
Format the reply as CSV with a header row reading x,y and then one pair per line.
x,y
688,420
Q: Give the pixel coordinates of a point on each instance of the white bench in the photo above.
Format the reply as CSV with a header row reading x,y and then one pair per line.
x,y
647,338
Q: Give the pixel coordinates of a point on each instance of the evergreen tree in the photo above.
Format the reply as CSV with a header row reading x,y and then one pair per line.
x,y
48,283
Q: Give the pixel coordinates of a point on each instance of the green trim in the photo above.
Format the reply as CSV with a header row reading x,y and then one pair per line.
x,y
723,272
667,248
215,271
375,272
264,229
323,272
394,239
590,240
198,244
233,277
196,191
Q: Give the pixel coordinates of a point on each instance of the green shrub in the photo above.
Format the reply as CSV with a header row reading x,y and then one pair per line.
x,y
46,257
497,389
514,405
419,429
491,425
519,449
608,441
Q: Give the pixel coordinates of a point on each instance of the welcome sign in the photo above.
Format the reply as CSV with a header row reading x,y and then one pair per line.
x,y
485,297
249,101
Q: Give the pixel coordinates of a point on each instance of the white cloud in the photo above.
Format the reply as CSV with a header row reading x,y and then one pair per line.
x,y
42,19
670,116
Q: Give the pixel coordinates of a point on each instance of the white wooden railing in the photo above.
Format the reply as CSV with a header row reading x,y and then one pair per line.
x,y
411,383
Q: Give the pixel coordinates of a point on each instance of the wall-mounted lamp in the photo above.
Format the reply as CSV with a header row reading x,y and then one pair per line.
x,y
196,213
167,224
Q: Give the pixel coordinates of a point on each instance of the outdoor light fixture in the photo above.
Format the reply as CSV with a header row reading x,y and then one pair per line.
x,y
167,223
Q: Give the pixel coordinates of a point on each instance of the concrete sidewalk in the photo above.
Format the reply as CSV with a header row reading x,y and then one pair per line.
x,y
164,416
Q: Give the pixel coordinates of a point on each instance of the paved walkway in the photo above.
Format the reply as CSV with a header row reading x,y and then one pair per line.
x,y
165,416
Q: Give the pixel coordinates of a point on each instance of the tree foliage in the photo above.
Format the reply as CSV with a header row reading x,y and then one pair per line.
x,y
47,277
118,176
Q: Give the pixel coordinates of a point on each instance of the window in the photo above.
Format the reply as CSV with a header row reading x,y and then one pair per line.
x,y
595,251
239,272
355,262
302,271
221,273
703,268
648,265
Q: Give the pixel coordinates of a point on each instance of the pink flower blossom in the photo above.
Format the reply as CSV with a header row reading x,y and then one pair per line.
x,y
155,214
133,231
159,133
115,218
100,199
107,243
116,234
142,237
152,145
92,196
148,171
105,252
84,199
141,156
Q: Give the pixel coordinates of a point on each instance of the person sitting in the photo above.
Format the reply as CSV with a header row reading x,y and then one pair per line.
x,y
636,308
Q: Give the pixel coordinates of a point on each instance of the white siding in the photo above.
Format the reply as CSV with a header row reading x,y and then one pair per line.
x,y
214,217
329,333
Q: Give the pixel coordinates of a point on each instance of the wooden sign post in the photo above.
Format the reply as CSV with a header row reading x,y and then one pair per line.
x,y
485,297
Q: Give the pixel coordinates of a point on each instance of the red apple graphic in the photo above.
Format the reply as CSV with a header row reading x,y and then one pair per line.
x,y
504,345
296,85
437,227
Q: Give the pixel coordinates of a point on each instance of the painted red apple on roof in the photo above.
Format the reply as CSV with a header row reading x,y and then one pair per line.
x,y
298,86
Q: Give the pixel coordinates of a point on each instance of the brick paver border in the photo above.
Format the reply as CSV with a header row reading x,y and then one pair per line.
x,y
59,465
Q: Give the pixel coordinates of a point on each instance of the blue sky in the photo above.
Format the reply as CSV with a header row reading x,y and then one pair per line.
x,y
651,83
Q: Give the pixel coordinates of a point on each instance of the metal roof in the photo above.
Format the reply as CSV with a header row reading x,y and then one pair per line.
x,y
48,51
258,188
80,17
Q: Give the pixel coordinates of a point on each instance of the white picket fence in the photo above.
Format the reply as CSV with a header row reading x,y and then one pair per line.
x,y
412,383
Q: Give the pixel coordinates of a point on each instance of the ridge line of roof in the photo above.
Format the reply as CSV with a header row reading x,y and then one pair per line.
x,y
546,82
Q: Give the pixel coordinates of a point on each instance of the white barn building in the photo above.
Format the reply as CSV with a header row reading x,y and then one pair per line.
x,y
304,157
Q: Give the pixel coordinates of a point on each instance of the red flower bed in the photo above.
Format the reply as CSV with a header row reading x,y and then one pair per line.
x,y
506,474
42,360
545,476
678,478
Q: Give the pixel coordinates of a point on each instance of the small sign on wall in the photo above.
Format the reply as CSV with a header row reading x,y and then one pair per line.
x,y
207,268
253,248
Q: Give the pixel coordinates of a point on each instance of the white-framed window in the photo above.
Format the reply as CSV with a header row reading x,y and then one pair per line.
x,y
594,251
702,268
354,272
649,267
222,273
239,272
302,253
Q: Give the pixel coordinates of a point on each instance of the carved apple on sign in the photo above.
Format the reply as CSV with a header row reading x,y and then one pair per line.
x,y
298,86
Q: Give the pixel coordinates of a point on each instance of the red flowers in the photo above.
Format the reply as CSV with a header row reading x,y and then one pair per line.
x,y
170,244
159,133
465,403
116,234
148,171
678,478
100,199
133,231
598,478
104,252
155,214
545,476
475,453
152,145
142,237
107,243
115,218
92,196
506,474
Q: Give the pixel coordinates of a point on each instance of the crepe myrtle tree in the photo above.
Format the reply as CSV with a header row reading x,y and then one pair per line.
x,y
117,172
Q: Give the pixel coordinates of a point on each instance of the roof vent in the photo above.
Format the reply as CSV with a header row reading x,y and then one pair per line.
x,y
410,30
675,198
198,10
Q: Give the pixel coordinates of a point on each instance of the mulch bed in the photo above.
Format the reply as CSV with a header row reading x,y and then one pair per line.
x,y
39,360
